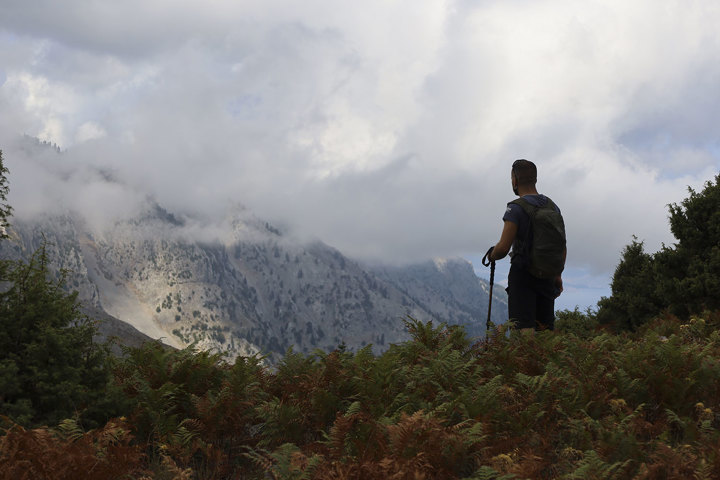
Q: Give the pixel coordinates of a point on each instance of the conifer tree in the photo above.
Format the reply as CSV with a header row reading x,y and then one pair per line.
x,y
683,279
633,301
689,274
50,369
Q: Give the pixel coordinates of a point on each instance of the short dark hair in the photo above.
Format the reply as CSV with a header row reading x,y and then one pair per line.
x,y
525,172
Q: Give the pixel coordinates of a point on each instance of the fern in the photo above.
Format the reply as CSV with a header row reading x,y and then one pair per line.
x,y
593,466
70,429
488,473
353,409
639,405
40,453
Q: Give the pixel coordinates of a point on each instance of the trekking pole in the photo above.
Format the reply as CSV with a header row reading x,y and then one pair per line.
x,y
487,262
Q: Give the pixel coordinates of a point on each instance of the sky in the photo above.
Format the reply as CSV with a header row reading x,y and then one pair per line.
x,y
385,128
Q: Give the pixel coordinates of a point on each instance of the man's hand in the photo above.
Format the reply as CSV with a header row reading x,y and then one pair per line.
x,y
558,286
487,259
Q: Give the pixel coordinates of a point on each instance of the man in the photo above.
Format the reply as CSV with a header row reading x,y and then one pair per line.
x,y
531,290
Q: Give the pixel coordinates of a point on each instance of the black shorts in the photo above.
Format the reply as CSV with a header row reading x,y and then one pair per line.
x,y
531,300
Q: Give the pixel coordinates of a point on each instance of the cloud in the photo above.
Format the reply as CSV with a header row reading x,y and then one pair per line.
x,y
386,129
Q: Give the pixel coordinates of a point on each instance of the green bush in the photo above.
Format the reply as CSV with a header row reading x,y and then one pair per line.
x,y
575,322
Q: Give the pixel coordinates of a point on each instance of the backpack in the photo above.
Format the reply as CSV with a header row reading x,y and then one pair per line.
x,y
546,253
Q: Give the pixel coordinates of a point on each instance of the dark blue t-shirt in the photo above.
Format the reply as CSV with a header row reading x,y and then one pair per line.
x,y
515,213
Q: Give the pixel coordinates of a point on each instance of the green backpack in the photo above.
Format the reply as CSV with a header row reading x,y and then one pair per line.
x,y
547,252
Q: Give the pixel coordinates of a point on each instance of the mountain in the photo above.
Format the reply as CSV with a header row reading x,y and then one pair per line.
x,y
450,291
249,289
118,332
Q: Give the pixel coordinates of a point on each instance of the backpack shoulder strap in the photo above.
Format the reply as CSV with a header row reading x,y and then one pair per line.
x,y
523,243
529,208
551,204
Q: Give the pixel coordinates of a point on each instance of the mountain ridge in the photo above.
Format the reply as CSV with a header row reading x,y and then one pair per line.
x,y
253,291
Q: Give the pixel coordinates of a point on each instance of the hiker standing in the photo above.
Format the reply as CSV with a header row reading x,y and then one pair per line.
x,y
534,228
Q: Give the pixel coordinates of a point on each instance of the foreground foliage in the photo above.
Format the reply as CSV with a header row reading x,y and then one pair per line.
x,y
577,403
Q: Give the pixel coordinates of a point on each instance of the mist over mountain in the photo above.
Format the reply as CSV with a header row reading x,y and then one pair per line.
x,y
255,290
231,282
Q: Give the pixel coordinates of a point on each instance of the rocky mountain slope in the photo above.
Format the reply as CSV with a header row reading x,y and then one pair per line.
x,y
253,290
450,291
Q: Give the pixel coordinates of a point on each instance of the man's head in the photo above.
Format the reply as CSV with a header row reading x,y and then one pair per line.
x,y
523,174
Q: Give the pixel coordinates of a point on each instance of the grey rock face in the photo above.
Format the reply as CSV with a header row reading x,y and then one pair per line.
x,y
254,290
450,292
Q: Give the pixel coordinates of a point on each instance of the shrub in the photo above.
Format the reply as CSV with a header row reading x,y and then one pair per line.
x,y
575,322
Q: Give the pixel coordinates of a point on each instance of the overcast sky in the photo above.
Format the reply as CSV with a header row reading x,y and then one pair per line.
x,y
385,128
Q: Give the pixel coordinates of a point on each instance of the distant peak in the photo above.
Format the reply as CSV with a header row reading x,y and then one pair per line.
x,y
443,263
440,263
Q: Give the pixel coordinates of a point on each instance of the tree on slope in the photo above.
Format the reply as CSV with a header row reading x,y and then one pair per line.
x,y
633,300
683,278
5,209
689,274
49,367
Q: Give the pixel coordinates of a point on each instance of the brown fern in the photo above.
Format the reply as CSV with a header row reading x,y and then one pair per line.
x,y
40,453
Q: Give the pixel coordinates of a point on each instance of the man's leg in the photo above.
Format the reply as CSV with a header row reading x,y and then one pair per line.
x,y
545,313
521,300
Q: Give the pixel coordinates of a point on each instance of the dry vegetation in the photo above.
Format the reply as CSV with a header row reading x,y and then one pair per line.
x,y
577,403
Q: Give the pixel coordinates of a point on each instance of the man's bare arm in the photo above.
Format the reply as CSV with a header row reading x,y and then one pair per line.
x,y
506,240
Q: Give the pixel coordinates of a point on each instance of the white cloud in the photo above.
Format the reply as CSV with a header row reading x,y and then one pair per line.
x,y
89,131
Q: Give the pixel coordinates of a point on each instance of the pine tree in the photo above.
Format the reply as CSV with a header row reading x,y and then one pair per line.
x,y
683,279
633,301
50,369
690,274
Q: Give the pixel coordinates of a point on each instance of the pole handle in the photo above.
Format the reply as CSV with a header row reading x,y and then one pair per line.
x,y
486,259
